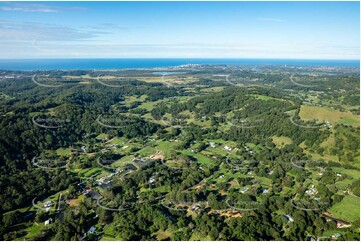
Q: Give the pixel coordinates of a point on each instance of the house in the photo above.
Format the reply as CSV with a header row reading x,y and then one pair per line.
x,y
130,167
290,218
221,176
335,236
265,190
151,180
92,230
93,194
47,222
312,191
342,224
244,190
104,182
212,144
227,148
196,208
48,204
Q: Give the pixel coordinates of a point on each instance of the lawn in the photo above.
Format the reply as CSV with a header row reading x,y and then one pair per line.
x,y
90,172
149,105
354,173
197,236
349,121
344,184
117,140
109,233
328,114
63,151
162,235
35,230
130,99
203,160
348,209
166,147
212,89
102,136
281,141
263,97
147,151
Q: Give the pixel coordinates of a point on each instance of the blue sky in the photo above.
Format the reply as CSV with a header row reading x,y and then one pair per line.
x,y
296,30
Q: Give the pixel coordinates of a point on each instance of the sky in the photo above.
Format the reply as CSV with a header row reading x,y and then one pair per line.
x,y
286,30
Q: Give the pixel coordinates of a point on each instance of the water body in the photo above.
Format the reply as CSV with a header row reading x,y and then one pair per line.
x,y
103,64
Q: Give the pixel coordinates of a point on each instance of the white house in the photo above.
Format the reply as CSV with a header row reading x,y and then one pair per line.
x,y
48,204
244,190
47,222
290,218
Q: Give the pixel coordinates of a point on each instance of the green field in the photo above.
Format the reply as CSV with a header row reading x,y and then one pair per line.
x,y
328,114
348,209
63,151
355,174
281,141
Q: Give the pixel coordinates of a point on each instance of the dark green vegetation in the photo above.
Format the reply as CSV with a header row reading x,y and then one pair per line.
x,y
194,156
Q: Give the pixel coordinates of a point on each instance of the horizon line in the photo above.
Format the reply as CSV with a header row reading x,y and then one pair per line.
x,y
223,58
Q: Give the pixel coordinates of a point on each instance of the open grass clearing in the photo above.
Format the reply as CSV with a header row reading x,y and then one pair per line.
x,y
328,114
348,209
281,141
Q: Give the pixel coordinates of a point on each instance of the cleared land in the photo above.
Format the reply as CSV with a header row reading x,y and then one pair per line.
x,y
328,114
348,209
281,141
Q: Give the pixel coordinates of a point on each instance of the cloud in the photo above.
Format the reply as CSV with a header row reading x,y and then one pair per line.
x,y
271,20
109,26
32,31
36,8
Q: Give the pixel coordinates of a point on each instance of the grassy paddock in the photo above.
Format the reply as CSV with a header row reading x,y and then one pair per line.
x,y
281,141
348,209
328,114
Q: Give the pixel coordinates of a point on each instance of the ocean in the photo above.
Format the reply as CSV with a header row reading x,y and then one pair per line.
x,y
103,64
